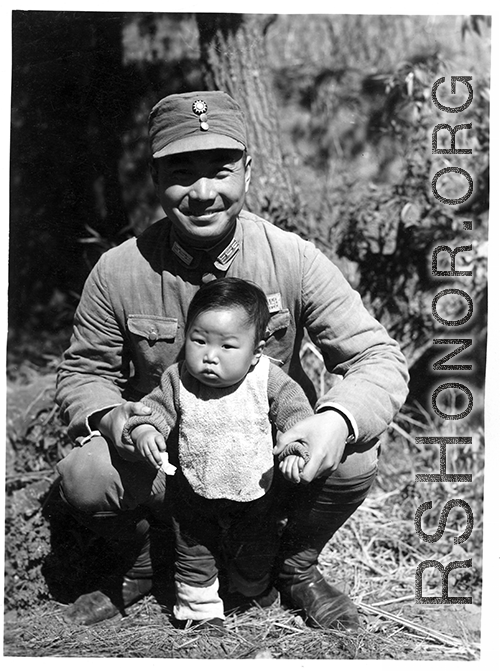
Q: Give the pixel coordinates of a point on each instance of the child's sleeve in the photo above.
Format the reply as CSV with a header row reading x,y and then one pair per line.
x,y
163,403
288,405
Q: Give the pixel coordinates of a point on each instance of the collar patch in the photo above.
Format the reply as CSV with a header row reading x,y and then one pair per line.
x,y
228,254
221,260
182,254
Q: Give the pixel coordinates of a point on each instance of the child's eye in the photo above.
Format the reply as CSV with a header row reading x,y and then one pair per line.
x,y
228,347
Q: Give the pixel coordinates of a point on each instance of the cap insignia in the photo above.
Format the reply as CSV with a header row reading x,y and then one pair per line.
x,y
200,108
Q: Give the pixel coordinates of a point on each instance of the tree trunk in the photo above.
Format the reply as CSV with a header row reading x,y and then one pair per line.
x,y
233,53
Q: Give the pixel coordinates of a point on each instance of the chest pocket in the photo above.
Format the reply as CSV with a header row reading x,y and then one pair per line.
x,y
278,324
153,328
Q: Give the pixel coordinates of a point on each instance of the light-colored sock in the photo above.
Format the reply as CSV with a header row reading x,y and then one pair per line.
x,y
198,603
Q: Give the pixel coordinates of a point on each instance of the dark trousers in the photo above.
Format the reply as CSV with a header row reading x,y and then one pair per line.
x,y
242,537
108,493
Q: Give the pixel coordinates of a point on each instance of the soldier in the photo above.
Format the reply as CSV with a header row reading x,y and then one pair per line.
x,y
129,326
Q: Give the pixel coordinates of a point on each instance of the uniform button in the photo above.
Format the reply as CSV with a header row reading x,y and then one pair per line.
x,y
153,335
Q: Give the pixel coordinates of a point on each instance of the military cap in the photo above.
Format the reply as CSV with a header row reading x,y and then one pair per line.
x,y
196,121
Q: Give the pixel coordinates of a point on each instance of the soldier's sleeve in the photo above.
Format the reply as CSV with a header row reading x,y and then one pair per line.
x,y
355,346
94,370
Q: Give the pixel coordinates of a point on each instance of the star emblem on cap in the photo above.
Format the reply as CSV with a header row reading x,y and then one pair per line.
x,y
200,107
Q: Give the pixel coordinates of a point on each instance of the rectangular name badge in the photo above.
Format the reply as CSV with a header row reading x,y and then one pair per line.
x,y
182,254
274,303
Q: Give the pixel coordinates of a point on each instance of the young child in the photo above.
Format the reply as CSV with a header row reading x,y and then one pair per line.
x,y
225,399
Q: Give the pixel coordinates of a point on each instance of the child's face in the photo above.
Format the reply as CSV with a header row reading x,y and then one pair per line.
x,y
220,347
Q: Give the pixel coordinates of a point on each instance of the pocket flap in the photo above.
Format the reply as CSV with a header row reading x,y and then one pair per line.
x,y
153,328
278,321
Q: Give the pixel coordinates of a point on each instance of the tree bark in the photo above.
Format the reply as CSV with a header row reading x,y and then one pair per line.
x,y
233,53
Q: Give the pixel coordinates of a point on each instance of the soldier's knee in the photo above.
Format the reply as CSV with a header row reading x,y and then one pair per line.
x,y
88,478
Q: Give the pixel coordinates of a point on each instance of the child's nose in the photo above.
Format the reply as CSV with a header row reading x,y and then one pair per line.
x,y
210,356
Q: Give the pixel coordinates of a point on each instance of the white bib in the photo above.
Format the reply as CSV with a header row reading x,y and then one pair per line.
x,y
225,439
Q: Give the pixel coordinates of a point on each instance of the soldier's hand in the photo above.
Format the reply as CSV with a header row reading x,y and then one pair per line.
x,y
324,435
111,423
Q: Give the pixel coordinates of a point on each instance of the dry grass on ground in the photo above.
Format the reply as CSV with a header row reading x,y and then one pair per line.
x,y
273,634
373,557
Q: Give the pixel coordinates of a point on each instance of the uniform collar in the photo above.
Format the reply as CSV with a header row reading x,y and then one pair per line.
x,y
221,254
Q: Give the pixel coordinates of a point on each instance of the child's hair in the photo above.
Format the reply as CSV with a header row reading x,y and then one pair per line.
x,y
232,292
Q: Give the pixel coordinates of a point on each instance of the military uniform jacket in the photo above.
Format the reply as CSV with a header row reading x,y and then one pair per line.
x,y
130,322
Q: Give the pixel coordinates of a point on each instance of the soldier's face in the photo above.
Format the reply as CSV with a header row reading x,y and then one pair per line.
x,y
203,192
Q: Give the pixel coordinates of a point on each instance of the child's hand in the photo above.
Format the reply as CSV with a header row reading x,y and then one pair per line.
x,y
292,467
149,444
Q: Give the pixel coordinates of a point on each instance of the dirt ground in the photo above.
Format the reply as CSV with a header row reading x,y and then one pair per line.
x,y
373,558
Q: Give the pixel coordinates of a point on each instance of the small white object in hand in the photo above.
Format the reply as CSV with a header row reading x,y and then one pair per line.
x,y
166,466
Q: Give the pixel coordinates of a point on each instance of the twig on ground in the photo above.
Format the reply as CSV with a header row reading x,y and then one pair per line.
x,y
367,560
47,474
436,635
397,600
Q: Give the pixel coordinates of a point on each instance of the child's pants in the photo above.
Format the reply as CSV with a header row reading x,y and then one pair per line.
x,y
210,533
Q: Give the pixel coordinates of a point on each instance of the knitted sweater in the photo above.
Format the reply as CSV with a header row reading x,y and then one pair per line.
x,y
225,434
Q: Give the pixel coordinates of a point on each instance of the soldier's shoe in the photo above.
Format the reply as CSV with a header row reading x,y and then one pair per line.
x,y
112,600
323,605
